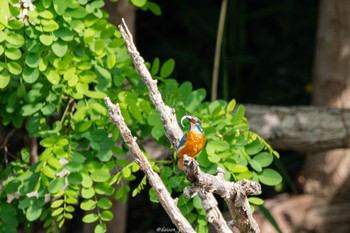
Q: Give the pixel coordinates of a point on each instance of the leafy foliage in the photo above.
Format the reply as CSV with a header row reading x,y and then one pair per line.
x,y
58,59
57,63
230,145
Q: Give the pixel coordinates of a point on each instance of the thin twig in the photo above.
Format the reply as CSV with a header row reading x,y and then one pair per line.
x,y
66,110
219,36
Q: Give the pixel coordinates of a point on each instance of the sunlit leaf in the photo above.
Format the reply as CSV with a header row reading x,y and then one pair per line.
x,y
90,218
33,213
100,175
270,177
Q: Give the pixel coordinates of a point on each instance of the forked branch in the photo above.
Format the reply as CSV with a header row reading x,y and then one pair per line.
x,y
235,193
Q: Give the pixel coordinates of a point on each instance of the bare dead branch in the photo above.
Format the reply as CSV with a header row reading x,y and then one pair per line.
x,y
174,133
167,114
235,195
153,178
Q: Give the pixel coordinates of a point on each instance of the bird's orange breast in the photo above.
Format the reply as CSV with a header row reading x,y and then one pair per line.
x,y
193,145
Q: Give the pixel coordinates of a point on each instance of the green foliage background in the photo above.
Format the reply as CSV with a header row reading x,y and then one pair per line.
x,y
56,66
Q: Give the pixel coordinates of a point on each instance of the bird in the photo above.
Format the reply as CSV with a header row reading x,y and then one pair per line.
x,y
192,142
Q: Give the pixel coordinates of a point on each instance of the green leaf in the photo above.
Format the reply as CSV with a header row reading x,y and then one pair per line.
x,y
270,177
13,53
46,39
14,68
48,109
4,79
70,208
87,192
78,12
106,215
104,189
236,168
46,3
30,75
57,203
56,185
238,115
230,106
4,12
136,113
2,33
90,218
100,175
15,24
30,109
195,99
122,193
46,14
102,71
155,66
255,165
139,3
254,147
100,228
197,202
33,213
47,171
32,60
167,68
154,8
49,25
99,108
85,126
53,76
80,114
15,39
59,6
99,46
64,33
264,159
59,48
104,203
57,211
12,186
53,162
184,89
75,178
213,158
255,200
95,94
126,172
157,131
215,146
88,205
111,61
48,142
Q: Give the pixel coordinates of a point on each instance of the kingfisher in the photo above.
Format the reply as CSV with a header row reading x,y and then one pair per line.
x,y
192,142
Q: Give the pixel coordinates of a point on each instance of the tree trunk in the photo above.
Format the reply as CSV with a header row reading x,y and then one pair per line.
x,y
326,175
